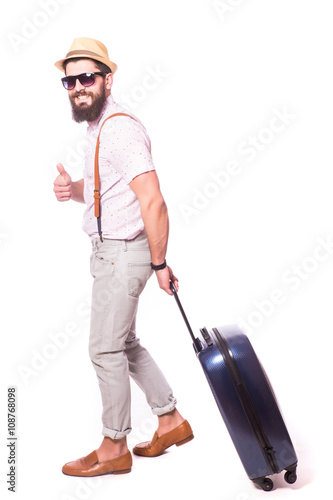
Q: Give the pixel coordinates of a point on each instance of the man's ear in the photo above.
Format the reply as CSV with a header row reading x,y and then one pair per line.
x,y
109,81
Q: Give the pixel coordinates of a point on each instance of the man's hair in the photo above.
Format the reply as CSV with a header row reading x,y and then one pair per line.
x,y
101,66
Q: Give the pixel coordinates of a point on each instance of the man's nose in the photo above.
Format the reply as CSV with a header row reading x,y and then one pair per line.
x,y
78,85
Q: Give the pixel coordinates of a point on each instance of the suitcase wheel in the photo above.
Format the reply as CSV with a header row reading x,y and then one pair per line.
x,y
290,476
267,484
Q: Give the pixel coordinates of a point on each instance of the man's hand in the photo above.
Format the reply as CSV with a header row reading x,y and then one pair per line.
x,y
63,185
164,276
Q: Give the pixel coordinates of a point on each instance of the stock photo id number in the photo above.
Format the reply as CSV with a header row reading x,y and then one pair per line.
x,y
11,439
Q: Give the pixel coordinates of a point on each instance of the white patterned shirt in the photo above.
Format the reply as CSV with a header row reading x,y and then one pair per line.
x,y
124,153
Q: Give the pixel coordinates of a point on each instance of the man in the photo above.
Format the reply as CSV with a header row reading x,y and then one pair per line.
x,y
128,243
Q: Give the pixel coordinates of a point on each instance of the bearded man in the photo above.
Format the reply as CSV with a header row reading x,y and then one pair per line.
x,y
129,236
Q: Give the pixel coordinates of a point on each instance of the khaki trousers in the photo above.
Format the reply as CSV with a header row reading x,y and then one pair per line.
x,y
121,269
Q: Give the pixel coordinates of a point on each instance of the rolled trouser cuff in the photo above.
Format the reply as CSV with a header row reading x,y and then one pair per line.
x,y
115,434
165,409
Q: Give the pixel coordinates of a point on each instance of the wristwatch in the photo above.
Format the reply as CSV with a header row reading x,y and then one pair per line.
x,y
159,267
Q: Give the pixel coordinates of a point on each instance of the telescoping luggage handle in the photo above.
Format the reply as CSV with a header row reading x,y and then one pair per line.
x,y
196,342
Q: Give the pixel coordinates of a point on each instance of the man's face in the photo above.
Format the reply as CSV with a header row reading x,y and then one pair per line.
x,y
87,102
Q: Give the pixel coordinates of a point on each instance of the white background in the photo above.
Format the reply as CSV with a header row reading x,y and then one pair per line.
x,y
223,70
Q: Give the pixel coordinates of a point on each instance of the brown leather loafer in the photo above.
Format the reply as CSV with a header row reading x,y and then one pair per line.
x,y
178,436
90,466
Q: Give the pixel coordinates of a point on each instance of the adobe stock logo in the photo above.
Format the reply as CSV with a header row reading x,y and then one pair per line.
x,y
292,279
249,148
30,27
84,488
224,7
56,342
153,78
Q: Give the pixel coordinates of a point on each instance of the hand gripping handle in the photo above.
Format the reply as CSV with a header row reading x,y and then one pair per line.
x,y
196,342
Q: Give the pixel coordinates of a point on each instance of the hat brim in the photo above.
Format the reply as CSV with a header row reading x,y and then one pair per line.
x,y
86,55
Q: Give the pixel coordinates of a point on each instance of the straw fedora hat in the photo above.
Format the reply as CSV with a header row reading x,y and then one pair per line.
x,y
88,47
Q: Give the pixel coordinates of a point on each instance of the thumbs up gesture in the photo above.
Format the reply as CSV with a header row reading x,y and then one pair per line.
x,y
63,184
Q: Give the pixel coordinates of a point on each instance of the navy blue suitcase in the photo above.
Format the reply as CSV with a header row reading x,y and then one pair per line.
x,y
246,401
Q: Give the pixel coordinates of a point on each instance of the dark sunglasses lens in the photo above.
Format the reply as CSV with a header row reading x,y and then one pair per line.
x,y
87,79
68,82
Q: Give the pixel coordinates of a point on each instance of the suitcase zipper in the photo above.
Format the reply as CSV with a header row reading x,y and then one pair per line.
x,y
246,402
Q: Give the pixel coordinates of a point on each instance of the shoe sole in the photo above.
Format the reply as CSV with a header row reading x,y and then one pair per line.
x,y
125,471
184,441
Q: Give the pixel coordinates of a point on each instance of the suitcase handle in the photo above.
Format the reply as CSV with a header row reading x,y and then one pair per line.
x,y
196,342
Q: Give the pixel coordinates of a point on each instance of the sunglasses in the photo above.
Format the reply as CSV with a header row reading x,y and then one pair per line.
x,y
86,79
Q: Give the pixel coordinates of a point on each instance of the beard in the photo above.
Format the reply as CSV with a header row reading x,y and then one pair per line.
x,y
90,113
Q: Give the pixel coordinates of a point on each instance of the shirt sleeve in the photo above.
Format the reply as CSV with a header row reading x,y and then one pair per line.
x,y
126,146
